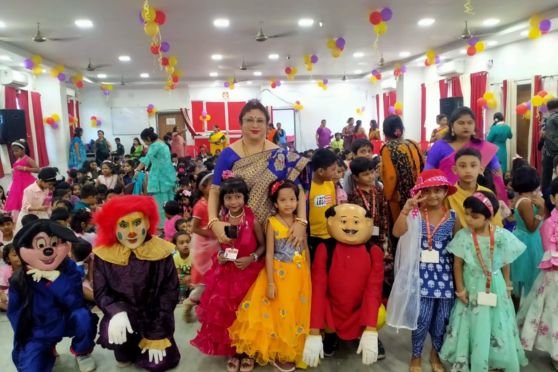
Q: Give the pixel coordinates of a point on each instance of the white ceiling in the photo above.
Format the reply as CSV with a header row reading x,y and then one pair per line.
x,y
194,39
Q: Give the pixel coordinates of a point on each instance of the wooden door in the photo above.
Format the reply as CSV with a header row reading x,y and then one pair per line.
x,y
523,125
166,121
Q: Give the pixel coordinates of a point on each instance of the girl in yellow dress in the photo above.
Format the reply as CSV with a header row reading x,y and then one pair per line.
x,y
273,319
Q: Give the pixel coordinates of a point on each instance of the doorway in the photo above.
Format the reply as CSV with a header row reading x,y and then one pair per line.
x,y
166,121
288,123
523,125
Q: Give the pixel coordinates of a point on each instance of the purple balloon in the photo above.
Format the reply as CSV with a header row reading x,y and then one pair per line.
x,y
278,83
61,76
227,84
28,64
528,103
165,47
99,122
386,14
325,81
391,110
204,113
106,92
403,69
543,109
545,25
55,125
472,41
340,43
314,58
140,18
437,59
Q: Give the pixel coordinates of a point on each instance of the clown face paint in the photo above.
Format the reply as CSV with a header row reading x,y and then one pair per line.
x,y
46,252
131,230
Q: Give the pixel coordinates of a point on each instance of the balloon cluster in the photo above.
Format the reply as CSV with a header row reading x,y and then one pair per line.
x,y
475,46
151,110
53,120
431,58
310,61
379,19
539,27
58,72
360,111
72,120
323,84
95,122
541,99
524,109
396,109
399,70
376,76
298,106
106,89
77,80
291,72
275,83
336,46
205,116
487,101
230,83
34,64
151,19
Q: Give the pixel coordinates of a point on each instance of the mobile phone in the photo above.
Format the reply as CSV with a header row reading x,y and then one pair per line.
x,y
231,231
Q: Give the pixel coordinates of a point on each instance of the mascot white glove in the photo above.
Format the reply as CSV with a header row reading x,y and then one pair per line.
x,y
39,274
119,324
368,346
155,355
313,350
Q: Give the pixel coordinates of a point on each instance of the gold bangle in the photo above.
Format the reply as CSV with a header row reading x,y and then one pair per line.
x,y
301,220
211,222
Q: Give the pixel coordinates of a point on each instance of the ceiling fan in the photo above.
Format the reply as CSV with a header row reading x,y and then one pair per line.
x,y
92,67
40,38
468,35
261,36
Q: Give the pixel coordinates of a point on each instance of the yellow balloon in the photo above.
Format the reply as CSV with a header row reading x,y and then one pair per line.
x,y
178,72
173,60
169,69
60,68
431,54
336,53
37,70
547,98
54,72
398,106
534,33
331,43
149,14
536,101
381,317
488,96
534,21
37,59
527,115
480,46
380,28
231,87
307,58
55,117
151,28
309,67
491,103
207,117
294,71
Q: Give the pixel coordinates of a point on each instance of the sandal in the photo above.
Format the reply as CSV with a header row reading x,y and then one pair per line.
x,y
233,364
437,366
246,364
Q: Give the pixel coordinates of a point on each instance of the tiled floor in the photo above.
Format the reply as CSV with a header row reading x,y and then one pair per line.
x,y
397,346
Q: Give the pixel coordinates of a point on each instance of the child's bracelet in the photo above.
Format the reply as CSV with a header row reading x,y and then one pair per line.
x,y
301,220
459,294
211,222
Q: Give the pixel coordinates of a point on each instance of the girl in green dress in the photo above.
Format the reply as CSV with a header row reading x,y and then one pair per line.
x,y
499,134
482,333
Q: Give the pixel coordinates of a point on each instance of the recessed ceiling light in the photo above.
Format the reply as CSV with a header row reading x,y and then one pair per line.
x,y
102,76
83,23
5,58
490,22
404,54
216,57
144,75
221,23
306,22
2,24
124,59
426,22
273,56
248,83
492,43
357,71
524,33
358,54
213,74
257,73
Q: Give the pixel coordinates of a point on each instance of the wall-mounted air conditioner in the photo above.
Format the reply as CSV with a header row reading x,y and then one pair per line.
x,y
389,84
13,78
451,68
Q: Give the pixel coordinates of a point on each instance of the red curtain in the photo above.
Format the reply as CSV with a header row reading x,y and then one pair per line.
x,y
456,87
443,89
386,105
39,129
23,103
505,96
422,112
478,88
392,97
77,115
378,108
535,153
70,113
10,94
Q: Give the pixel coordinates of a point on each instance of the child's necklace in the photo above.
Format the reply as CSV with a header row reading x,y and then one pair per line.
x,y
239,216
285,221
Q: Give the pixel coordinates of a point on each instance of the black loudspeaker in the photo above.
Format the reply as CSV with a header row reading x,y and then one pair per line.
x,y
447,105
12,126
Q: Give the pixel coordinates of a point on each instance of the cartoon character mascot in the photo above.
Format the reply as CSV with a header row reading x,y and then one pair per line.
x,y
347,278
46,300
135,284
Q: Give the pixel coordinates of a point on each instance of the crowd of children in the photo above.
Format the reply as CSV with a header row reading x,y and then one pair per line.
x,y
457,263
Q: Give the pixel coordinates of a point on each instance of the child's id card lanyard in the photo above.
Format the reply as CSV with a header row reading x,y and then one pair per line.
x,y
486,298
375,229
430,255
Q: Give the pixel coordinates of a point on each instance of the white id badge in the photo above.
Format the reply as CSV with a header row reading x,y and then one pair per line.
x,y
487,299
231,253
375,231
428,256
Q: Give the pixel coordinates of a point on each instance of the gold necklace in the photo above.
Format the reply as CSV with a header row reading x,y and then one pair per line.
x,y
284,221
240,215
245,150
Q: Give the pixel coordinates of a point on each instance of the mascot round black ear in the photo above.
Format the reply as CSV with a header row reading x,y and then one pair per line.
x,y
330,212
25,235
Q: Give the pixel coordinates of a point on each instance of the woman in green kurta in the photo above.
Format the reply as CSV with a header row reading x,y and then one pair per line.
x,y
161,179
498,135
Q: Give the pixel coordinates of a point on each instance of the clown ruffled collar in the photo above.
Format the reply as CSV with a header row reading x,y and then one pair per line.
x,y
154,249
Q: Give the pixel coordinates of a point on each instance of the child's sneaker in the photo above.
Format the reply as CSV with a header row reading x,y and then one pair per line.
x,y
331,342
86,363
381,351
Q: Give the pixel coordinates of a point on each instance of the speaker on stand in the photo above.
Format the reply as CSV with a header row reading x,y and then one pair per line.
x,y
448,105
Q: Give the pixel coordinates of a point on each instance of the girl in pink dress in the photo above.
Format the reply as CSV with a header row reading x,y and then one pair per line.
x,y
21,177
235,269
177,143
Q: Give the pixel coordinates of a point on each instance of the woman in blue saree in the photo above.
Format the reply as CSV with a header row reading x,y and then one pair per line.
x,y
77,151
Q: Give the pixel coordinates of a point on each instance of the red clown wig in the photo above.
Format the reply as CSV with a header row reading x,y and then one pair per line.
x,y
118,207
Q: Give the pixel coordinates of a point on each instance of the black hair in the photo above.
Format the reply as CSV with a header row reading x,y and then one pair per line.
x,y
5,217
179,222
233,185
116,139
455,116
28,218
477,206
22,143
467,151
359,143
72,173
554,187
498,117
358,125
518,163
552,104
149,134
81,216
253,104
440,117
197,194
67,204
323,159
81,250
393,127
101,190
172,208
3,196
180,233
6,253
341,163
350,119
100,131
525,179
287,184
373,124
60,214
78,132
88,190
486,179
359,165
60,193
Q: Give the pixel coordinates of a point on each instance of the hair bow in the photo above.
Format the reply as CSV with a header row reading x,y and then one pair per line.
x,y
276,186
227,174
186,193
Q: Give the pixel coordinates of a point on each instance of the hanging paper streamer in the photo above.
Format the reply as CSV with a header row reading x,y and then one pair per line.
x,y
95,122
291,72
151,110
229,84
468,7
475,46
376,76
323,83
77,80
539,27
399,70
274,83
310,61
58,72
360,111
431,58
53,120
205,116
487,101
396,109
298,106
106,89
336,46
72,120
34,64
